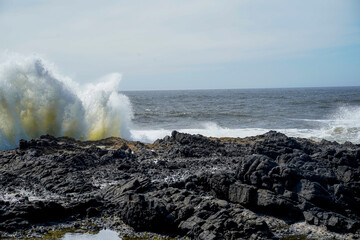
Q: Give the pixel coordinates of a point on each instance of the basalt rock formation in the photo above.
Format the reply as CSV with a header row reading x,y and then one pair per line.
x,y
184,185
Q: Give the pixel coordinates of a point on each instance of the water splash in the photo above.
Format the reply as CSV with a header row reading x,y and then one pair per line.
x,y
344,125
35,100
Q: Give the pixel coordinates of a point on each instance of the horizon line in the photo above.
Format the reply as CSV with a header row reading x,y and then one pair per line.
x,y
245,88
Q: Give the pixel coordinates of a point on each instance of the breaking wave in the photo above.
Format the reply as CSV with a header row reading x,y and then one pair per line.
x,y
341,126
36,100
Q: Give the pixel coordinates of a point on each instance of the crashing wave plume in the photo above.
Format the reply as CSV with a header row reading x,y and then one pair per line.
x,y
35,100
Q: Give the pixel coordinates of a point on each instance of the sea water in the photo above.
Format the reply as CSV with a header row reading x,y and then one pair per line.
x,y
101,235
35,100
314,113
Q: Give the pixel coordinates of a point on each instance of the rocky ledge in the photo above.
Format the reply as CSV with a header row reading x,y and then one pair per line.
x,y
265,187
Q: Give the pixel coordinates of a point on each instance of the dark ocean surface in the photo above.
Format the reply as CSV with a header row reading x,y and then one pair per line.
x,y
315,113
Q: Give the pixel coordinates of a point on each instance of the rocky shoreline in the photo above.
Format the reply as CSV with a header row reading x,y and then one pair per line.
x,y
183,186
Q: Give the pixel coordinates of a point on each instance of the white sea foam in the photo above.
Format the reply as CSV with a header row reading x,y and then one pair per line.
x,y
208,129
342,126
36,100
212,130
102,234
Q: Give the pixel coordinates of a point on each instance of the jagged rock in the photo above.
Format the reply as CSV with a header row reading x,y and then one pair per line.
x,y
183,185
243,194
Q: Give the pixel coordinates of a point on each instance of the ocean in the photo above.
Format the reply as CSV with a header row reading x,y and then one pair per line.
x,y
315,113
35,100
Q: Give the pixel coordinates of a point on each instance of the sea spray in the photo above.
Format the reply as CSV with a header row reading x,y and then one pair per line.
x,y
108,113
35,100
344,125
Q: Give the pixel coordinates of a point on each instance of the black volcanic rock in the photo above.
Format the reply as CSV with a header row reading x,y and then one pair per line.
x,y
184,185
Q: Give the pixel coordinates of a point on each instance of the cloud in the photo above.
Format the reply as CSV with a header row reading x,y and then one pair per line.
x,y
152,37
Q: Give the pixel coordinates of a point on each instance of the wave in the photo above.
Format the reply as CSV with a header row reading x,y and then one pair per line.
x,y
344,126
341,126
208,129
36,100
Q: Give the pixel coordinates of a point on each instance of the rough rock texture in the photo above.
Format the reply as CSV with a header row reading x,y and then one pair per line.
x,y
184,185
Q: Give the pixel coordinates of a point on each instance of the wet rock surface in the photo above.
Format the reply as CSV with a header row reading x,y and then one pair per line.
x,y
184,185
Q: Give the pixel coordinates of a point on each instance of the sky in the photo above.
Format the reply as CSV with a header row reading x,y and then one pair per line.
x,y
191,44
